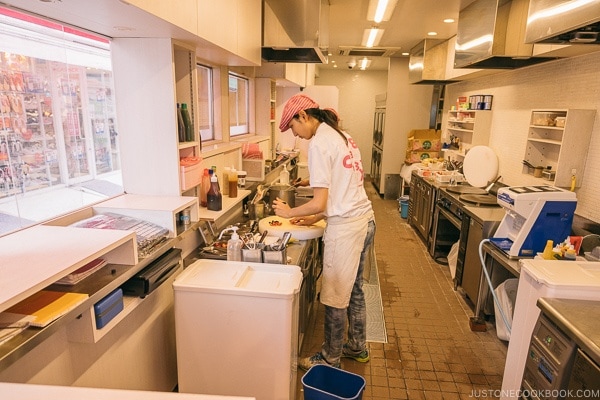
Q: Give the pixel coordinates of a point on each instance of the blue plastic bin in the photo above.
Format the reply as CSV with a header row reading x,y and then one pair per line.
x,y
322,382
403,203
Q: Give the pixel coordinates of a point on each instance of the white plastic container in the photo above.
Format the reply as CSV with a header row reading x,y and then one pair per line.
x,y
543,278
236,327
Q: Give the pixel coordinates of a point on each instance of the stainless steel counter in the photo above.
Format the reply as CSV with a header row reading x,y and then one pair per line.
x,y
579,319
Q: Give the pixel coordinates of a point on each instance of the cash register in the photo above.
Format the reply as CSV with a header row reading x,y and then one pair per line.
x,y
534,215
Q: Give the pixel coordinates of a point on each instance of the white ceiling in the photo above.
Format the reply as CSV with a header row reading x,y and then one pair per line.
x,y
410,23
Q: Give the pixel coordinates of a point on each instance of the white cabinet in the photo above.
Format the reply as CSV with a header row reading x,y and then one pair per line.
x,y
266,123
558,141
163,73
467,128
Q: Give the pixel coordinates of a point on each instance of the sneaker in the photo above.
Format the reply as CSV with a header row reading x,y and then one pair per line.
x,y
307,362
363,356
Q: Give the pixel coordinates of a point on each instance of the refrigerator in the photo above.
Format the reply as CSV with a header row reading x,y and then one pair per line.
x,y
578,280
236,329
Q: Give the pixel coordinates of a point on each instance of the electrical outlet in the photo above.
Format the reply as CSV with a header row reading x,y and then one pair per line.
x,y
573,171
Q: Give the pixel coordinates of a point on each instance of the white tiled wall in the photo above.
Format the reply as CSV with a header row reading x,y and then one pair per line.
x,y
560,84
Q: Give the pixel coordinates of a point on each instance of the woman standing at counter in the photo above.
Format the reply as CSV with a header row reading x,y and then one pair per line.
x,y
337,179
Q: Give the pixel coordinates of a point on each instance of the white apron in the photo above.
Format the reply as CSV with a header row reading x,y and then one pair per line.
x,y
344,239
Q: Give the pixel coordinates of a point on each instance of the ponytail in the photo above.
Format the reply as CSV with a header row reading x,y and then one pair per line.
x,y
329,117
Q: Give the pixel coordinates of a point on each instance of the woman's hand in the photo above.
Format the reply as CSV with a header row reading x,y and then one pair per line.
x,y
305,220
281,208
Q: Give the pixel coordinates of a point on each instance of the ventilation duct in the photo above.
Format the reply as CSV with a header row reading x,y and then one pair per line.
x,y
491,34
294,31
559,22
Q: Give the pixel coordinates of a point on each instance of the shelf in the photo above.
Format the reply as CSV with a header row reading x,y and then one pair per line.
x,y
58,251
83,329
460,130
556,128
559,147
547,141
228,204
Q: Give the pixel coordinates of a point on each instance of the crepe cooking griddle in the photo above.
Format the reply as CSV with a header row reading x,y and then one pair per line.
x,y
479,199
465,190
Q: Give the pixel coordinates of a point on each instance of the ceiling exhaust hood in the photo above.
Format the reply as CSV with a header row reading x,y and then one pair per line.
x,y
427,62
491,34
294,31
561,22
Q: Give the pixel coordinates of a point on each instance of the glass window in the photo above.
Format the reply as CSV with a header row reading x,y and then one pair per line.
x,y
205,102
238,105
58,130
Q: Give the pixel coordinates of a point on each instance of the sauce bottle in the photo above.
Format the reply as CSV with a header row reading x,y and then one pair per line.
x,y
213,196
205,185
233,179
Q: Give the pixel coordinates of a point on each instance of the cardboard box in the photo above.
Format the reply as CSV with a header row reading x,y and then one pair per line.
x,y
418,156
424,140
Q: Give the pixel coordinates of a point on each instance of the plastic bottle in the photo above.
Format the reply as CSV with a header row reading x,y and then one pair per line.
x,y
180,125
225,188
205,185
189,128
234,246
214,197
548,254
232,176
284,176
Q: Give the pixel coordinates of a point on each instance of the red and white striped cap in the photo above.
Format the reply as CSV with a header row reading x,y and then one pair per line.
x,y
293,106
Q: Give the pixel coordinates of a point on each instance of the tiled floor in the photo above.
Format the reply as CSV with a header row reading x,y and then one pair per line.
x,y
431,352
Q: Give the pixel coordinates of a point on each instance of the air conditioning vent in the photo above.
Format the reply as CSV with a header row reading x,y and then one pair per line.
x,y
367,51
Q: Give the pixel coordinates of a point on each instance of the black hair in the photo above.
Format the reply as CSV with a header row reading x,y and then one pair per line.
x,y
327,116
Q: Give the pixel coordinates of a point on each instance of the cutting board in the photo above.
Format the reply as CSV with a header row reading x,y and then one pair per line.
x,y
299,232
480,166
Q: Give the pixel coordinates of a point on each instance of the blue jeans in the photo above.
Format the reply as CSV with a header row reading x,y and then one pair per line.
x,y
355,314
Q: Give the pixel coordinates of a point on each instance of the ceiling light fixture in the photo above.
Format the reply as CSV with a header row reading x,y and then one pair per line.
x,y
364,63
381,10
371,37
449,20
431,33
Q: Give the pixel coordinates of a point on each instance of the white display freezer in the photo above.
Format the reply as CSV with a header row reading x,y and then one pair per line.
x,y
542,278
236,329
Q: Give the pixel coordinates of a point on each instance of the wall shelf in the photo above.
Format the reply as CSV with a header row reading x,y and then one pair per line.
x,y
555,142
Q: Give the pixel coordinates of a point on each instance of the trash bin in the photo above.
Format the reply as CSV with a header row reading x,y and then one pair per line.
x,y
323,382
403,206
236,328
507,294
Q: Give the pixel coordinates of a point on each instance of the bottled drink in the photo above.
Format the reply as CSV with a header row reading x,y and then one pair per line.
x,y
214,198
187,121
205,185
232,176
180,125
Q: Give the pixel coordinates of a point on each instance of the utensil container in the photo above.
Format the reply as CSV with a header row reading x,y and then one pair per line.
x,y
274,256
323,382
252,255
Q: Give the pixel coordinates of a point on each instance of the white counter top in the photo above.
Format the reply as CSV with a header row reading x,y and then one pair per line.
x,y
19,391
35,257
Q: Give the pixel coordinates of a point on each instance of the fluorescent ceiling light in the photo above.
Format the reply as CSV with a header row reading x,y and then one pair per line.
x,y
364,63
371,37
381,10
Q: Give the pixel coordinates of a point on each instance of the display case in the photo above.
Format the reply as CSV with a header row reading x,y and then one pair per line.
x,y
465,129
557,145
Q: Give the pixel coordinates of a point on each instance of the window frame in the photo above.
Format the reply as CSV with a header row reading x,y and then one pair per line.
x,y
238,130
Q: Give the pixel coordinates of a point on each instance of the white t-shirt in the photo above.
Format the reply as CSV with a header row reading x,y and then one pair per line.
x,y
334,165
